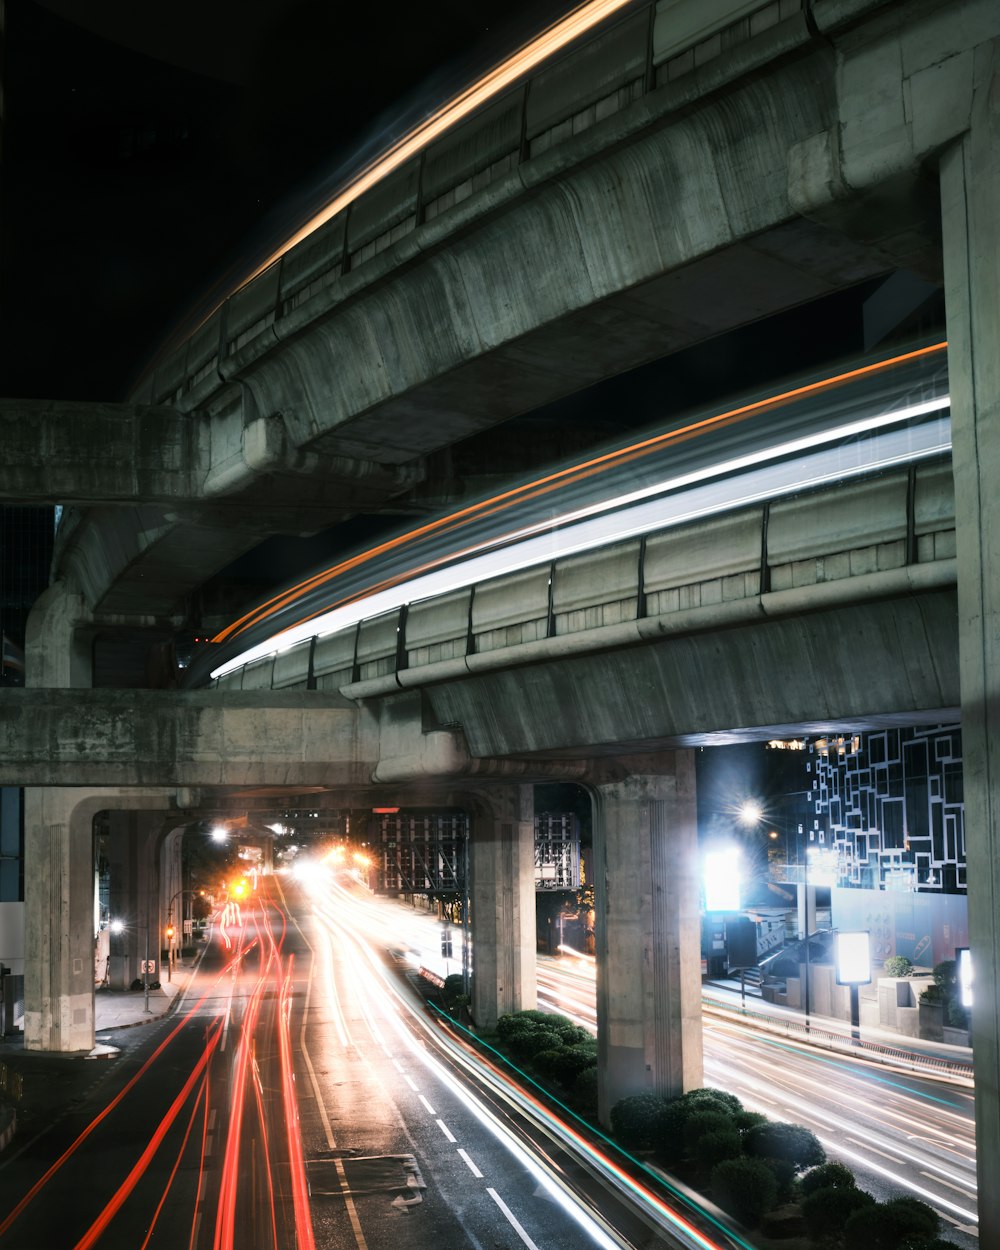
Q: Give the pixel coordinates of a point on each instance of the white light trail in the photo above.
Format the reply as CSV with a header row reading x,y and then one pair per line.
x,y
694,495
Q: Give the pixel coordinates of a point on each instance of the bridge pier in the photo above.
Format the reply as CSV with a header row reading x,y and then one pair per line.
x,y
647,930
135,896
502,859
970,203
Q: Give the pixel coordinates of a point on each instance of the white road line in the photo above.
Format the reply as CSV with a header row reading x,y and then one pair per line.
x,y
472,1167
512,1218
970,1188
430,1109
445,1129
225,1027
411,1082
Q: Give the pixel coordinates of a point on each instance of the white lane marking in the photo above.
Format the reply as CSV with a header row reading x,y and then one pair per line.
x,y
411,1082
225,1027
969,1187
430,1109
445,1129
472,1167
512,1218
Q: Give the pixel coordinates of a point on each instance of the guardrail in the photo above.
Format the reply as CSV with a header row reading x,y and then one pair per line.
x,y
645,47
821,1035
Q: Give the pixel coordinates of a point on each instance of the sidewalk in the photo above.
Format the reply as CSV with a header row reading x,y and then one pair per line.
x,y
36,1087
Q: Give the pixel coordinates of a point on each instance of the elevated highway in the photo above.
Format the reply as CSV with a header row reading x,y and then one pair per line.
x,y
651,187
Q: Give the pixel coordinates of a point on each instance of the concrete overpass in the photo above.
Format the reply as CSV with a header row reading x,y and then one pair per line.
x,y
658,185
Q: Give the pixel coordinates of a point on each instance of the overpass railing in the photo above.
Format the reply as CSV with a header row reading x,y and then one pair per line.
x,y
865,539
687,48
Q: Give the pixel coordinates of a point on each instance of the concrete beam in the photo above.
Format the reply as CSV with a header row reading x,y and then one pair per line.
x,y
158,738
848,664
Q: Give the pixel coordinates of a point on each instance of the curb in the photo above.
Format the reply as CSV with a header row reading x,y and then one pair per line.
x,y
8,1131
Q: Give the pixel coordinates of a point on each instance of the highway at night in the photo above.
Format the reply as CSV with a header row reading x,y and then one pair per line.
x,y
303,1095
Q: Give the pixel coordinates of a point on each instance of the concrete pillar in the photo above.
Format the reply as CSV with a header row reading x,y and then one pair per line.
x,y
647,930
59,921
970,209
57,643
502,862
133,849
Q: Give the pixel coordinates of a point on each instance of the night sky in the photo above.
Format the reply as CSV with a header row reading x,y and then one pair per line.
x,y
150,149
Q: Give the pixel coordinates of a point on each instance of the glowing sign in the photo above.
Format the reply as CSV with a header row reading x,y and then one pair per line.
x,y
722,880
853,955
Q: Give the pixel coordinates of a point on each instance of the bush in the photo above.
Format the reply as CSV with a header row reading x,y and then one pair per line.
x,y
933,994
701,1122
891,1225
716,1145
785,1141
533,1041
563,1063
826,1176
669,1136
784,1175
746,1120
585,1086
946,977
827,1210
746,1188
634,1120
958,1017
897,966
574,1035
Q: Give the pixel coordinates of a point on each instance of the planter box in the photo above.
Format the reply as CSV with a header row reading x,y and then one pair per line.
x,y
931,1021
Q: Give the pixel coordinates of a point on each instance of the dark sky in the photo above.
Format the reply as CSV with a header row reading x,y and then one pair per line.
x,y
145,157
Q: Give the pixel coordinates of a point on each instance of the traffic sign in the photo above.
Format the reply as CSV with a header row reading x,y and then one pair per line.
x,y
147,965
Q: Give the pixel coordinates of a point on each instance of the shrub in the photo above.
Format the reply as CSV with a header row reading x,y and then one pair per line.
x,y
533,1041
669,1134
783,1171
716,1145
785,1141
746,1120
826,1176
946,977
933,994
827,1210
563,1063
958,1017
888,1226
717,1095
746,1188
574,1035
701,1122
897,966
634,1120
585,1086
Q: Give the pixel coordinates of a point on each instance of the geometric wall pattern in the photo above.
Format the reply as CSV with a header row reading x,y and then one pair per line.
x,y
890,805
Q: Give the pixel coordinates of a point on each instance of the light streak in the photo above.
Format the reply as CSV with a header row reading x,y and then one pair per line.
x,y
300,1188
100,1224
202,1098
502,76
567,476
685,498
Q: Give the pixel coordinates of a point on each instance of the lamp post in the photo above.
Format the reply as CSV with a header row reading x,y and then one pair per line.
x,y
119,926
170,931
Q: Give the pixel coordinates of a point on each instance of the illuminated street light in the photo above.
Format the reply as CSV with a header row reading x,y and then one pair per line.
x,y
117,926
750,813
220,833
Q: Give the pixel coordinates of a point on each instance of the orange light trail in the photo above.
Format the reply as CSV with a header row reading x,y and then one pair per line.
x,y
104,1219
522,62
551,482
300,1186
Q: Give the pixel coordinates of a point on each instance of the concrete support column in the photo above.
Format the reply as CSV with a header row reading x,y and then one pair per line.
x,y
647,930
970,209
502,862
133,846
59,921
